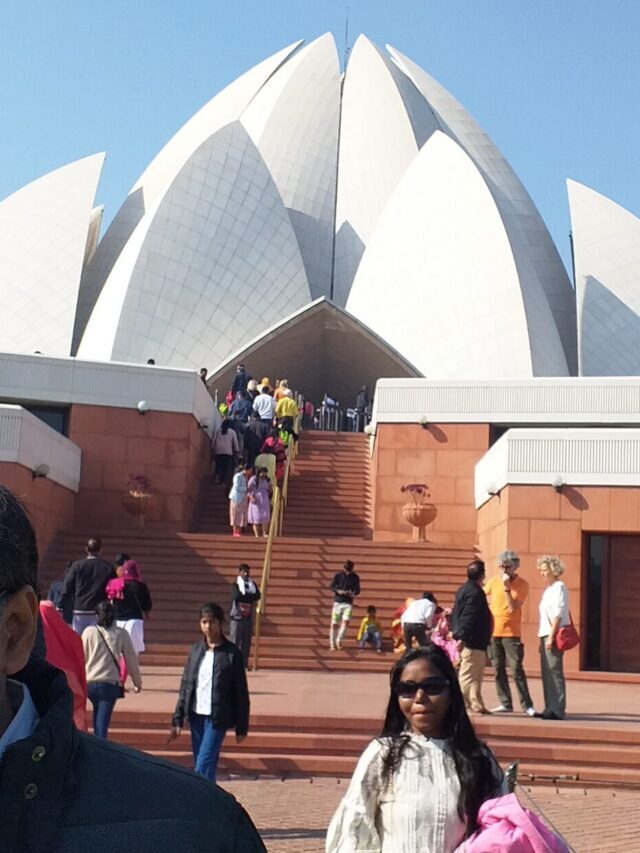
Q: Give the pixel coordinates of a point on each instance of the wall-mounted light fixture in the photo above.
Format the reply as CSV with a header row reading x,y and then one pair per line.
x,y
370,429
41,470
492,489
203,426
143,407
423,420
557,483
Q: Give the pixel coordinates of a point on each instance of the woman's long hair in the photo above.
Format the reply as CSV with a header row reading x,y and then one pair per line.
x,y
477,773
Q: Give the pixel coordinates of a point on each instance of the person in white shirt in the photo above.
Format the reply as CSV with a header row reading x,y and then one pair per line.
x,y
214,696
419,786
417,618
554,614
265,406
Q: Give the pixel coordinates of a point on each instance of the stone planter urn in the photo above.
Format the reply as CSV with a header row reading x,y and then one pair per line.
x,y
419,512
139,501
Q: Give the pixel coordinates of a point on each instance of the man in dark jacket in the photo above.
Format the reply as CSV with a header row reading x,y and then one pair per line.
x,y
255,433
240,380
57,784
84,586
472,626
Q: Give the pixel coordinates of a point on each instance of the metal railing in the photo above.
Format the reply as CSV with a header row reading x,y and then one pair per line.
x,y
280,497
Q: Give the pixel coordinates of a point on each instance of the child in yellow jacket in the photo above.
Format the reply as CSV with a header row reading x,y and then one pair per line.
x,y
370,631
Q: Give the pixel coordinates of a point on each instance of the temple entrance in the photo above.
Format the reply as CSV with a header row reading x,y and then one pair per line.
x,y
321,350
613,603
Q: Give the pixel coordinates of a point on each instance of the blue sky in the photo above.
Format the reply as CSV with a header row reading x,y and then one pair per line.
x,y
555,83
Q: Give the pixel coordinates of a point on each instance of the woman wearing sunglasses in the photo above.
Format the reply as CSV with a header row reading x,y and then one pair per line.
x,y
419,786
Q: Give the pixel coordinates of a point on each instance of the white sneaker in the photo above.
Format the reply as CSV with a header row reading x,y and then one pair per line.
x,y
530,712
501,709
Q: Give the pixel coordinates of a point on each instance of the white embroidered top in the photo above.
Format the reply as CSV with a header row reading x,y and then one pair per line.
x,y
417,811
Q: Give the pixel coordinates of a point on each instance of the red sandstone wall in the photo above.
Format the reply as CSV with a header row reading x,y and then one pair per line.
x,y
50,505
443,456
541,521
167,447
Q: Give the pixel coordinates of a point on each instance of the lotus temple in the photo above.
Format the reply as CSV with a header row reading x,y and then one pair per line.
x,y
340,229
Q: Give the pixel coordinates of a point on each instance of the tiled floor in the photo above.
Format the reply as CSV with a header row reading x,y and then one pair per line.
x,y
293,815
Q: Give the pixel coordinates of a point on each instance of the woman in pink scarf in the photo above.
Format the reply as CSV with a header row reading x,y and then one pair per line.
x,y
132,601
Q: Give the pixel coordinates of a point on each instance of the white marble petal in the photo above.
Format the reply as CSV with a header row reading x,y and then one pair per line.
x,y
439,281
606,243
140,205
542,274
219,264
293,121
44,229
380,134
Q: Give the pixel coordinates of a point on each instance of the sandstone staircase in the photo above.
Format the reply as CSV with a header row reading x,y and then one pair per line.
x,y
330,492
185,570
326,522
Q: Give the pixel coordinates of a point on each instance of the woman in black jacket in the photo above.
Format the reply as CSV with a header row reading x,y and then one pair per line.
x,y
213,693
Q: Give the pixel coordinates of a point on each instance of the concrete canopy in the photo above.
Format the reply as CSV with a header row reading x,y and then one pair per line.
x,y
319,349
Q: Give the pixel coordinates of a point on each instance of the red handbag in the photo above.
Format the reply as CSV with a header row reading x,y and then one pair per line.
x,y
567,638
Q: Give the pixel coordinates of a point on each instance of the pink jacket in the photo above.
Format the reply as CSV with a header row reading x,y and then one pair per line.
x,y
507,827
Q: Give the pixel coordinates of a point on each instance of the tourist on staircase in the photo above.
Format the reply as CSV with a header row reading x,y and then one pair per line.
x,y
244,594
239,414
417,619
214,696
362,408
104,644
252,389
239,499
64,790
370,630
225,449
85,586
131,599
345,587
240,380
554,616
420,785
273,444
259,511
471,620
506,593
265,406
286,413
282,385
255,433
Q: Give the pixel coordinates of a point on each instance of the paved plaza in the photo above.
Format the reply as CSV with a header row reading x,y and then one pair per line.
x,y
292,815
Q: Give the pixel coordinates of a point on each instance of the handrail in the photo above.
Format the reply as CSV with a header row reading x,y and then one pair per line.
x,y
275,529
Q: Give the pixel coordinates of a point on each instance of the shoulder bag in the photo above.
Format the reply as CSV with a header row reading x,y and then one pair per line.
x,y
117,665
567,638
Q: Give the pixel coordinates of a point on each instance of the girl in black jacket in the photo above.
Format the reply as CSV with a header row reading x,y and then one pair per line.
x,y
213,693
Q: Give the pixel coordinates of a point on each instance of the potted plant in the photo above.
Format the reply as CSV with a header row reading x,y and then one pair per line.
x,y
418,509
138,499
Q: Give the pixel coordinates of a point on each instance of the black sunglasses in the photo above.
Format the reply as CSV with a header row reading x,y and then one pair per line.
x,y
433,686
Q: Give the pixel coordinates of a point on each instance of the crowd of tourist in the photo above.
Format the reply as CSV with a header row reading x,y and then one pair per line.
x,y
426,783
250,447
484,622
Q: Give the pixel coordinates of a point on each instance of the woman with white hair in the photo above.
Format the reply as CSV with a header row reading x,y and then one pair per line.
x,y
554,614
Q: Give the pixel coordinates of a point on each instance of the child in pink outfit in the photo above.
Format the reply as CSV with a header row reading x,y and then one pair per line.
x,y
441,635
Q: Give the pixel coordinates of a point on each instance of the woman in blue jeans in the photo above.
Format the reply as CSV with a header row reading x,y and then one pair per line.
x,y
104,644
213,696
